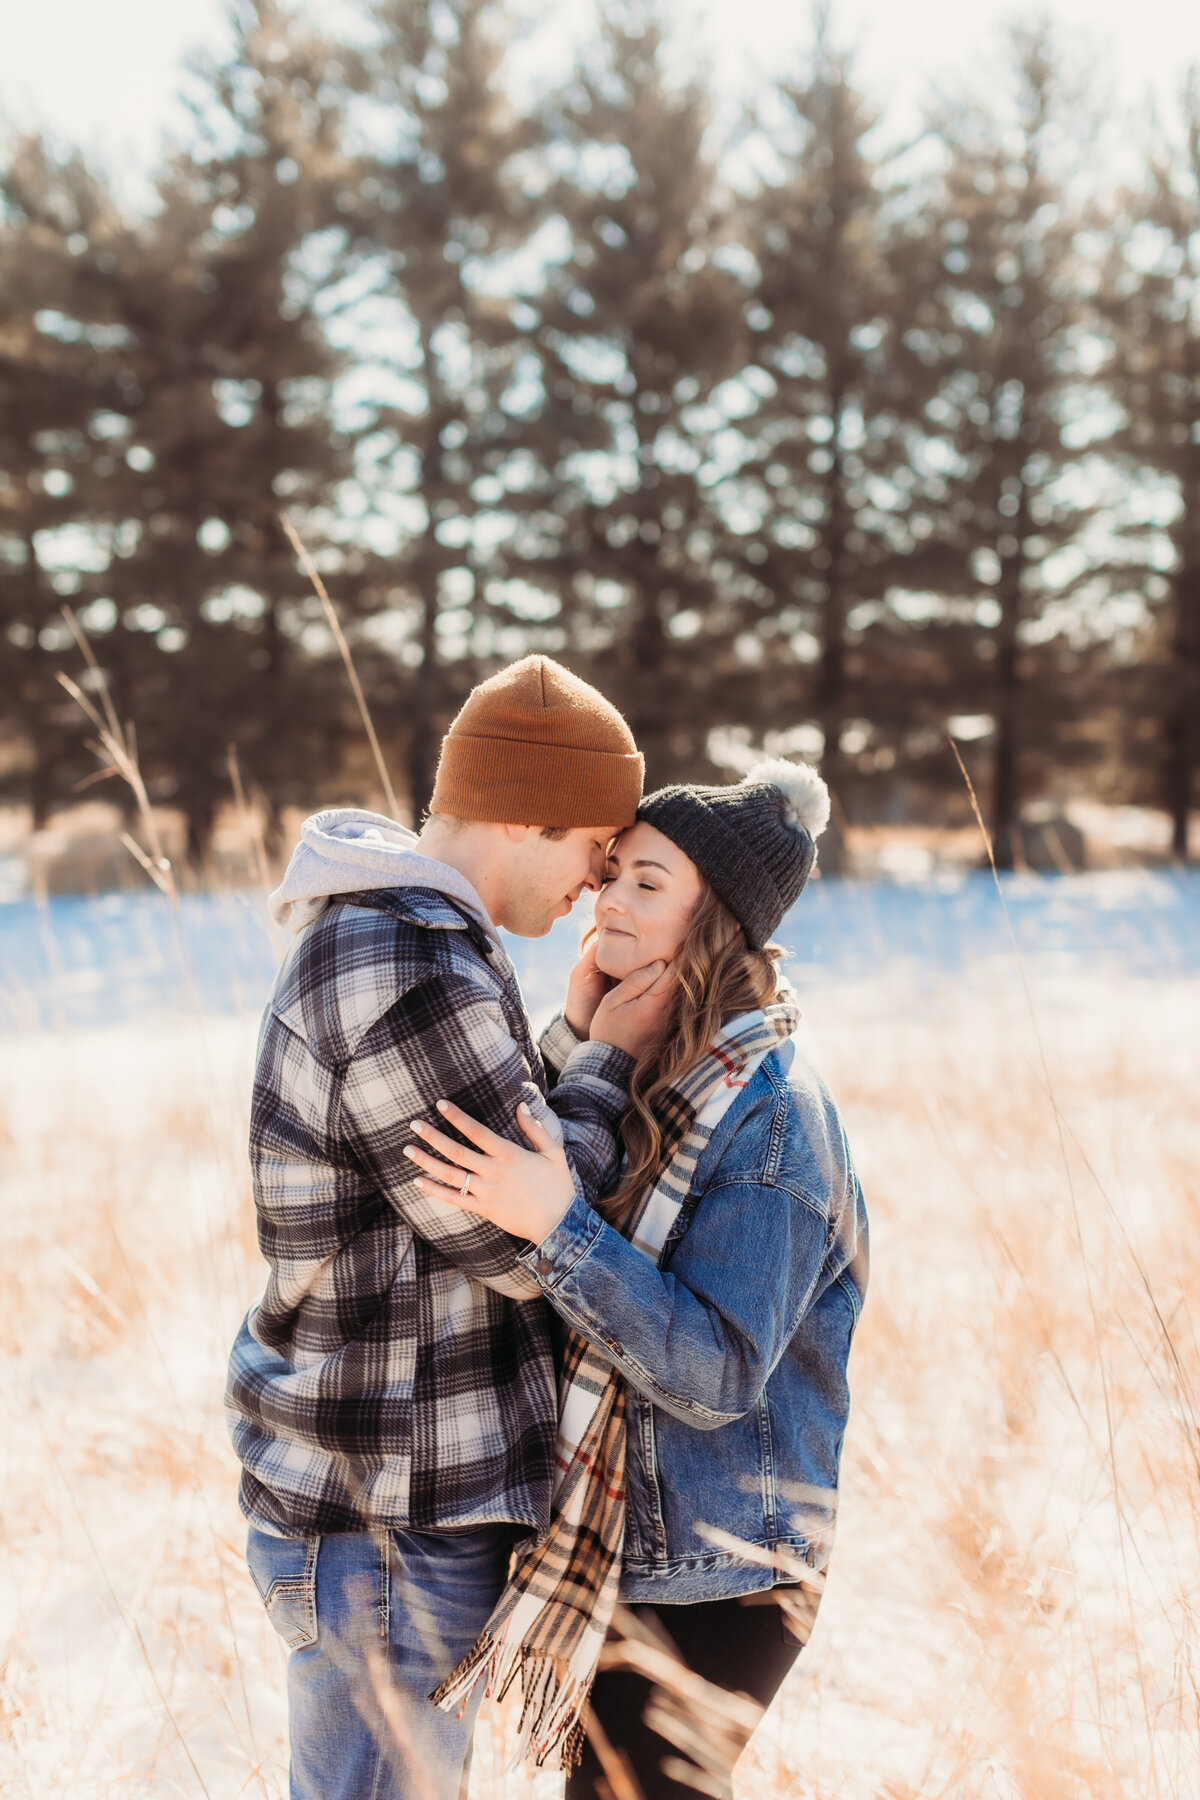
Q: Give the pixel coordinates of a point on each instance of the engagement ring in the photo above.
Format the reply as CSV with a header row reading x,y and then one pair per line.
x,y
462,1192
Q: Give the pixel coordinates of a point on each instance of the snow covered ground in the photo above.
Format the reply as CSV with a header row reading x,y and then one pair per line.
x,y
1011,1610
117,958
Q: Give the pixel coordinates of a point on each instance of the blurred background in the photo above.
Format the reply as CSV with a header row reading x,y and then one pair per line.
x,y
825,382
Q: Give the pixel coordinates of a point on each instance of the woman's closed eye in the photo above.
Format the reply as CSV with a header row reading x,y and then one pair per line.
x,y
647,887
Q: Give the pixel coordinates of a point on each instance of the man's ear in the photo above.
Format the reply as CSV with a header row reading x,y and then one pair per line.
x,y
517,832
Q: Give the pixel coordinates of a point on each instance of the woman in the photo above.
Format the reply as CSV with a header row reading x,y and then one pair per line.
x,y
711,1298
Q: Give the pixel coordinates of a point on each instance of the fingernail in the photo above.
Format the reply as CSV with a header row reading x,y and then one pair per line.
x,y
416,1125
442,1105
409,1151
522,1108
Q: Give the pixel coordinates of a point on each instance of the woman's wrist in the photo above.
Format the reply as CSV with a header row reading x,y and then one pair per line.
x,y
560,1247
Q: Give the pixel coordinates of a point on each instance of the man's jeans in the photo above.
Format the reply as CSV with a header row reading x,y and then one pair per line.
x,y
374,1621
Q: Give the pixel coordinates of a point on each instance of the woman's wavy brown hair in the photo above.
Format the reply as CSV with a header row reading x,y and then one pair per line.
x,y
717,976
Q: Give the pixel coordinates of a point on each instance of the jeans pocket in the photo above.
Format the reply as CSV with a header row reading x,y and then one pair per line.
x,y
284,1570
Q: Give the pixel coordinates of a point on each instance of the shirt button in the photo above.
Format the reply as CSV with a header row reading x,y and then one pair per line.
x,y
544,1266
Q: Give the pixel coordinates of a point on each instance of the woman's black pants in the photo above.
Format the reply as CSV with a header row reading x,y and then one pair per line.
x,y
746,1649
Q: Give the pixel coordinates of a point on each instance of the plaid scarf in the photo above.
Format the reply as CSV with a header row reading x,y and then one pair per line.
x,y
549,1624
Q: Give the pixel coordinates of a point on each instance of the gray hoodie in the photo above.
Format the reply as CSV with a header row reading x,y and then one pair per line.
x,y
347,850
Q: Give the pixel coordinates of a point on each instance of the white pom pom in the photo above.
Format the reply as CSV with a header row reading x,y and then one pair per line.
x,y
807,795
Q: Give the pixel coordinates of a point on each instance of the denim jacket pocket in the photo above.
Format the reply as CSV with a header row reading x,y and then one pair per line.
x,y
284,1570
645,1527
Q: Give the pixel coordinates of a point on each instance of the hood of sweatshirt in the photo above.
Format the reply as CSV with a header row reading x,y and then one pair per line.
x,y
347,851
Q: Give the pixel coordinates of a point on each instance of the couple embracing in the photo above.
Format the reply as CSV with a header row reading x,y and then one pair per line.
x,y
554,1333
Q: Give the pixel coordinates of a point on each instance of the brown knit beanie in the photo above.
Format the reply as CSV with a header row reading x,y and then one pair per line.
x,y
534,745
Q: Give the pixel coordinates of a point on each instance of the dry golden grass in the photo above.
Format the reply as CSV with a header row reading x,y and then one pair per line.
x,y
1012,1606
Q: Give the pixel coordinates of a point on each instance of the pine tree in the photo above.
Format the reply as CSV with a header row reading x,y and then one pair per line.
x,y
638,324
227,421
829,465
1151,300
61,378
1002,314
437,203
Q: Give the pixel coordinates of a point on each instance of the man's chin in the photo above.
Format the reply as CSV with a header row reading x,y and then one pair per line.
x,y
531,924
538,928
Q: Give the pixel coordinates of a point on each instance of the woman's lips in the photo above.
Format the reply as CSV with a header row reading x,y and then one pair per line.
x,y
614,931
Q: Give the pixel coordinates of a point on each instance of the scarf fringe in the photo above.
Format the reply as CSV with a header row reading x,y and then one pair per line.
x,y
550,1728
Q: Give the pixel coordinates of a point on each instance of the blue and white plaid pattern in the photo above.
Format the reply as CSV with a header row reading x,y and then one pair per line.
x,y
398,1370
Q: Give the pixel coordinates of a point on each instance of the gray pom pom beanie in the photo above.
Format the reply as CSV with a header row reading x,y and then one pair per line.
x,y
754,842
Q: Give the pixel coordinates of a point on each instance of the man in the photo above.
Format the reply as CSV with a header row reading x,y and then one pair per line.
x,y
393,1397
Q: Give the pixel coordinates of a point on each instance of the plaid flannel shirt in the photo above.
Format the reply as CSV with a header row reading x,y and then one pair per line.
x,y
399,1369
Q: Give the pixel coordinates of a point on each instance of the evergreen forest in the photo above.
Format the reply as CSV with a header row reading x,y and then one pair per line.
x,y
784,429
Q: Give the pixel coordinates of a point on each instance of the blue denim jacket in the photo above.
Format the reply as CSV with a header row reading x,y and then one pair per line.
x,y
735,1350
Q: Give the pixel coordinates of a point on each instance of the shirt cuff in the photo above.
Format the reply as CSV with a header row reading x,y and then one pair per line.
x,y
557,1042
600,1066
561,1248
